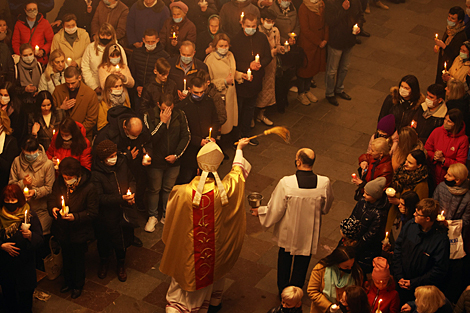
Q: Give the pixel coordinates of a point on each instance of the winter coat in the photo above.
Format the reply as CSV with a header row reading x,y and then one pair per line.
x,y
7,70
178,75
104,71
230,16
204,40
421,257
79,8
141,18
454,148
244,49
286,22
27,98
142,64
219,102
91,61
463,305
74,52
43,175
199,18
463,105
54,79
377,168
168,139
61,153
85,110
40,35
390,299
184,30
267,96
45,133
456,203
9,153
116,16
313,30
459,69
18,121
152,93
103,112
402,110
341,22
21,269
425,126
446,308
83,203
449,54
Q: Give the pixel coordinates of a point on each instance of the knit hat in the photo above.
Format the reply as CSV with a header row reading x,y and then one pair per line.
x,y
105,148
387,124
381,269
375,188
350,227
179,4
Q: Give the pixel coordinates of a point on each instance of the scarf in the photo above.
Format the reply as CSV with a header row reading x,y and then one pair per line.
x,y
29,73
314,7
459,190
427,114
452,31
117,100
11,221
334,280
404,179
71,38
208,28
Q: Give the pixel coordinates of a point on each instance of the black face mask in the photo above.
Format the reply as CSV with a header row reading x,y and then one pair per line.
x,y
343,308
345,271
295,163
378,135
11,207
450,183
105,41
291,310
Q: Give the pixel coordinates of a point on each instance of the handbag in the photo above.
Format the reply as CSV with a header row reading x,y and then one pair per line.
x,y
53,262
455,238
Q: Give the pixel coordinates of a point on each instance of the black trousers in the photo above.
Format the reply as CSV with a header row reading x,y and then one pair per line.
x,y
283,85
16,301
284,265
74,264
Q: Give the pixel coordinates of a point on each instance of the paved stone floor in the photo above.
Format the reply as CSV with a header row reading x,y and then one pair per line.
x,y
401,43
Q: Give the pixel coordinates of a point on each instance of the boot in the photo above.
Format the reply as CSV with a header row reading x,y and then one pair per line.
x,y
121,271
103,268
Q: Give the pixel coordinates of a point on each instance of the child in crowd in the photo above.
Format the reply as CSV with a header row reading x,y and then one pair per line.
x,y
291,301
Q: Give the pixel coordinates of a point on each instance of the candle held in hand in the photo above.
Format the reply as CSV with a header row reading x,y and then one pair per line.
x,y
26,191
414,124
184,84
286,46
117,68
53,132
210,133
129,192
355,29
69,61
26,217
146,158
390,192
441,217
174,35
386,241
257,58
36,49
353,175
437,36
241,16
378,307
292,35
248,74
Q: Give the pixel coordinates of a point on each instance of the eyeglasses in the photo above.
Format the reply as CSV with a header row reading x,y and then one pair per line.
x,y
417,214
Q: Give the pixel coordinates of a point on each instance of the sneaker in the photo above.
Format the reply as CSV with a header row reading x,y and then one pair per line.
x,y
254,142
379,4
150,226
294,89
162,221
302,98
264,119
311,97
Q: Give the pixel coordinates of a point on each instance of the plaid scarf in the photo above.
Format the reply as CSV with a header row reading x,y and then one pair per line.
x,y
403,179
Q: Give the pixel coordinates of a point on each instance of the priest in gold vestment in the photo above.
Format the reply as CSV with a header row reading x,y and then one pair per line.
x,y
203,233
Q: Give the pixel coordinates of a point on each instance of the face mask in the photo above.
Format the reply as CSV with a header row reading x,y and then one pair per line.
x,y
71,181
5,100
403,92
131,137
314,1
70,31
106,2
2,36
241,0
451,24
447,127
268,25
31,157
111,161
468,11
32,13
429,103
345,270
463,56
450,183
285,4
177,20
117,92
11,207
150,47
250,31
291,310
343,308
222,51
186,60
115,61
105,41
379,135
196,97
29,59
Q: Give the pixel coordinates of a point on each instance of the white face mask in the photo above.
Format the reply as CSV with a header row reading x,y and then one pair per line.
x,y
429,103
150,47
222,51
70,31
117,92
268,25
403,92
5,99
115,61
29,59
111,161
70,181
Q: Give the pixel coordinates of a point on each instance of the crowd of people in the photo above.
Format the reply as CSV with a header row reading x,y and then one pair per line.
x,y
116,103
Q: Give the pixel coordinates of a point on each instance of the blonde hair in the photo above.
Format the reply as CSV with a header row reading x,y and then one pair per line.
x,y
292,293
456,89
381,145
108,84
429,299
105,30
459,171
407,141
5,120
54,55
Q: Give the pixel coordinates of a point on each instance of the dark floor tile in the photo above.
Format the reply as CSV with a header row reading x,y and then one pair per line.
x,y
158,296
247,273
126,304
159,247
253,248
142,259
96,297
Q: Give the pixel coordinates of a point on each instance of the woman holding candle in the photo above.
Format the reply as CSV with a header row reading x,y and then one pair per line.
x,y
44,119
429,299
54,73
381,287
113,94
457,98
112,63
10,103
21,236
74,229
8,148
461,66
331,276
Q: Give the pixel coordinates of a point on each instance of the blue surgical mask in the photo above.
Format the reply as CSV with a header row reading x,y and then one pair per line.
x,y
463,56
250,31
31,157
451,24
115,61
177,20
196,97
285,4
186,60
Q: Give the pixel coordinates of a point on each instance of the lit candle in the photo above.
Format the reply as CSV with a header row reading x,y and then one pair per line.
x,y
241,16
353,175
65,209
69,61
437,36
257,58
36,49
445,68
441,217
390,192
334,307
146,158
26,191
63,203
129,192
25,226
210,132
355,29
378,307
184,83
174,35
117,68
386,241
292,35
26,217
53,132
414,124
248,74
286,46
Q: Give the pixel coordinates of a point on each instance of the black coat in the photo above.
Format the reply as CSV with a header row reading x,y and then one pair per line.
x,y
425,126
21,270
202,43
341,22
82,203
7,70
79,8
152,93
10,152
142,64
448,54
403,110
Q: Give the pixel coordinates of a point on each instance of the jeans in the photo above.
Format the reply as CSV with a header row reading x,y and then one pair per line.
x,y
164,180
303,84
246,111
337,66
299,271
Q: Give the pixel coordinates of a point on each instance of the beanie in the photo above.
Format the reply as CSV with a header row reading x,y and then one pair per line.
x,y
183,7
350,227
375,188
381,269
387,124
105,149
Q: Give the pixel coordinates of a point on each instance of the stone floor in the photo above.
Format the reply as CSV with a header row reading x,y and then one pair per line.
x,y
401,43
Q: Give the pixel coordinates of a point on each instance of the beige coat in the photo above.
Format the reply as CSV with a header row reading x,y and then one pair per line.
x,y
459,69
219,69
79,46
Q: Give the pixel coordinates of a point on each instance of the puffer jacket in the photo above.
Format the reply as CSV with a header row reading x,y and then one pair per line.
x,y
454,148
142,64
43,176
141,18
390,298
463,305
377,168
40,35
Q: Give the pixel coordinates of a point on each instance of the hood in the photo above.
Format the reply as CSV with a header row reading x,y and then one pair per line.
x,y
380,204
158,7
459,134
85,178
239,4
36,165
116,116
103,168
394,92
80,126
439,113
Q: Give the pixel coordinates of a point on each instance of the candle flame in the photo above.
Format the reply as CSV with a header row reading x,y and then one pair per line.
x,y
53,132
380,300
26,190
386,234
129,192
117,67
37,47
436,36
445,65
442,213
174,35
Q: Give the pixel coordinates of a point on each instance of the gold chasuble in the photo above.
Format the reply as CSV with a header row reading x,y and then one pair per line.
x,y
202,243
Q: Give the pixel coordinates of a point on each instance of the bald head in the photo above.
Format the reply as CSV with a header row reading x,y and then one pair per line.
x,y
133,126
305,158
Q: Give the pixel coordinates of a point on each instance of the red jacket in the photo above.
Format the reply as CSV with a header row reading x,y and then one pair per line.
x,y
390,299
40,35
454,148
382,169
61,153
